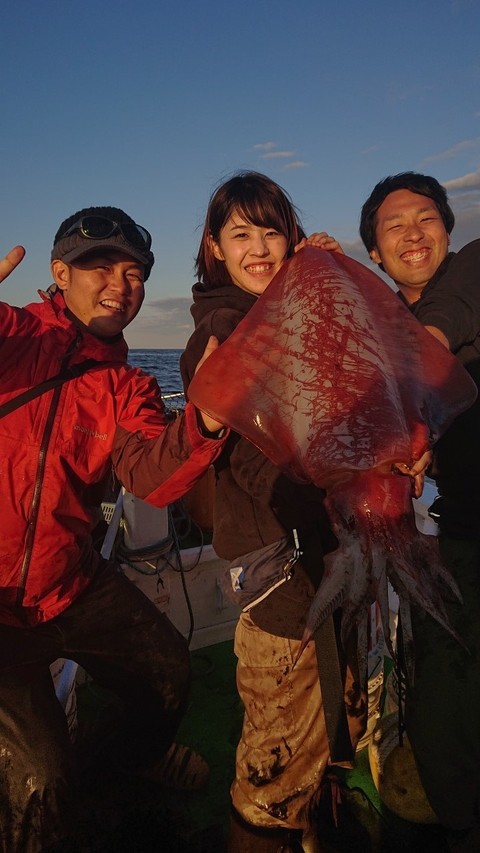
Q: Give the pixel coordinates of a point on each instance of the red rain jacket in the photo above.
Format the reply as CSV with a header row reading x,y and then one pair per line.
x,y
56,453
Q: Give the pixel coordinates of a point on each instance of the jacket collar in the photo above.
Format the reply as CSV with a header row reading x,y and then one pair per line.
x,y
55,313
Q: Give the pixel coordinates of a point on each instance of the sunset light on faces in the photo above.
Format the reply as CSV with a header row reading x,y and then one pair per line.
x,y
104,290
411,241
252,254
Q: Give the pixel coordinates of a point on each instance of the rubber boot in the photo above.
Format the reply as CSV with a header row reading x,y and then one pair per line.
x,y
243,837
310,841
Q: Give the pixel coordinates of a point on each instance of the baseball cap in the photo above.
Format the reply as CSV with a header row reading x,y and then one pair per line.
x,y
94,228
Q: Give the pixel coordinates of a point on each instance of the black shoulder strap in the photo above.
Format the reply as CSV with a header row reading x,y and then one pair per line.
x,y
331,683
65,375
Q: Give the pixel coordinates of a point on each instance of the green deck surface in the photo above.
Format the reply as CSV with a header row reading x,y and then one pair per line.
x,y
136,817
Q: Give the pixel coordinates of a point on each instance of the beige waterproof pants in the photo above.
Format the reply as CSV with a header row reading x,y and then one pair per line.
x,y
283,750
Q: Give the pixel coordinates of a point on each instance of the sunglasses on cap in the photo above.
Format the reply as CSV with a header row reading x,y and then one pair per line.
x,y
100,228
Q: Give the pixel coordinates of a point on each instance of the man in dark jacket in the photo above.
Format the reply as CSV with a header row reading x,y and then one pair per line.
x,y
405,225
58,596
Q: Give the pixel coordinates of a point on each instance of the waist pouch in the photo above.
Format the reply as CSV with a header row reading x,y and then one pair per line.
x,y
271,585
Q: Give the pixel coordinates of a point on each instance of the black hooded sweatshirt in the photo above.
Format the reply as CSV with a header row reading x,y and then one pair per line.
x,y
451,302
255,503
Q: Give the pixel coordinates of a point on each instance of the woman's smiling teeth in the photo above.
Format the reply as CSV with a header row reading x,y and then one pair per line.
x,y
259,269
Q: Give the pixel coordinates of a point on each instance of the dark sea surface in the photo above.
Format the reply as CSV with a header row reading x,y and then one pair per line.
x,y
164,365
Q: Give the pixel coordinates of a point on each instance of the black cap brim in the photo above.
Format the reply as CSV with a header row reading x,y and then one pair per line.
x,y
72,248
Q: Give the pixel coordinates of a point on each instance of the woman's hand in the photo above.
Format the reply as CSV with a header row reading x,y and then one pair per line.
x,y
10,261
321,240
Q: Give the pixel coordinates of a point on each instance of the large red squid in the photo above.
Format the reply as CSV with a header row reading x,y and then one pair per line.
x,y
335,381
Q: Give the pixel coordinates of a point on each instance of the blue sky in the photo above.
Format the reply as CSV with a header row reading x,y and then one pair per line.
x,y
148,105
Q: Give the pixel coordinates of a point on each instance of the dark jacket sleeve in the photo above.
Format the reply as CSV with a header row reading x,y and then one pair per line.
x,y
451,300
156,459
250,487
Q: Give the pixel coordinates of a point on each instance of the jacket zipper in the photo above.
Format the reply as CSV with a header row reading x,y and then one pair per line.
x,y
35,507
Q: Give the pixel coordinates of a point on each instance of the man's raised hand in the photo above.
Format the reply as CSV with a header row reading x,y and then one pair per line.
x,y
10,261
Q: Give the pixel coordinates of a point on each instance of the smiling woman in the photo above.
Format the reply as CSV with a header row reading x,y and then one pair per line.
x,y
253,254
251,228
248,201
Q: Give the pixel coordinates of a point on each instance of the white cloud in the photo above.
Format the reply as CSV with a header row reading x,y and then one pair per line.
x,y
295,164
466,182
162,323
270,154
466,223
277,154
169,306
464,196
459,148
264,146
372,149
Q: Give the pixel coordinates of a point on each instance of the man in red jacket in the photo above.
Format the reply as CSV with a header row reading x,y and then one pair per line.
x,y
58,596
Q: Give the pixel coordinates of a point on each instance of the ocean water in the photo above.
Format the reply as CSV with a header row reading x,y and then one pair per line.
x,y
164,365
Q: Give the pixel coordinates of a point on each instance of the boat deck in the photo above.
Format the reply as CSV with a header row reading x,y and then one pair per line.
x,y
129,816
125,815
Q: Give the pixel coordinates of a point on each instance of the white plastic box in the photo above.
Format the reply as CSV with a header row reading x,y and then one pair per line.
x,y
214,616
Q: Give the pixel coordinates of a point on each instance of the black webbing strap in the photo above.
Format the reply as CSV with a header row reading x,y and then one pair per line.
x,y
65,375
331,685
